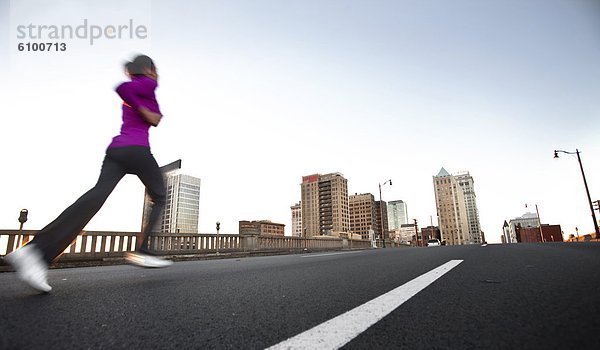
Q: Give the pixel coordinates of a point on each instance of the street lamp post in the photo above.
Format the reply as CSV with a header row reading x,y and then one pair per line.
x,y
218,241
587,191
381,210
537,211
22,220
305,239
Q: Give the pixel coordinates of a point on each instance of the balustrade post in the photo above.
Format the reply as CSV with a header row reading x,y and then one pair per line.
x,y
250,242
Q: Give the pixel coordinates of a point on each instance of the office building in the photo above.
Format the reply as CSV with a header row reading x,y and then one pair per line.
x,y
362,214
466,183
182,207
397,213
381,219
457,212
296,220
324,202
261,227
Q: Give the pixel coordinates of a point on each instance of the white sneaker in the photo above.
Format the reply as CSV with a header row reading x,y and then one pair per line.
x,y
145,260
30,267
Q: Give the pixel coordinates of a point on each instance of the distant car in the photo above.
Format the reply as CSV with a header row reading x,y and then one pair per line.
x,y
434,242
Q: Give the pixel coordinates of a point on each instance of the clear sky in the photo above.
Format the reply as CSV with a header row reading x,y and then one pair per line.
x,y
257,94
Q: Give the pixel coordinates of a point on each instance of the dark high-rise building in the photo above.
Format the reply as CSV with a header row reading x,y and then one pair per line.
x,y
381,219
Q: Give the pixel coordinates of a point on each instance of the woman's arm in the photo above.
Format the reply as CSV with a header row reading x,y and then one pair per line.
x,y
149,116
128,93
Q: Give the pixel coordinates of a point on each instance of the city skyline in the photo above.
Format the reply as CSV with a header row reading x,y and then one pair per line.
x,y
394,90
364,174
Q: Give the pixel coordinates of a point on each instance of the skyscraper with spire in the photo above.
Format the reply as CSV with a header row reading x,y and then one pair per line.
x,y
456,205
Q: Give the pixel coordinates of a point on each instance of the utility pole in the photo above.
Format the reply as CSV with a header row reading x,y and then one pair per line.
x,y
432,229
540,221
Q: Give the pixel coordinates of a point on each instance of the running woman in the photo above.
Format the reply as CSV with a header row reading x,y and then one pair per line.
x,y
128,153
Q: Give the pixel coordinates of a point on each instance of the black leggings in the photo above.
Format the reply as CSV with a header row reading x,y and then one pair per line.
x,y
53,239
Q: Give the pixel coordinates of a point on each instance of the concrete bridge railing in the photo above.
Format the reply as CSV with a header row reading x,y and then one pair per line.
x,y
591,237
99,245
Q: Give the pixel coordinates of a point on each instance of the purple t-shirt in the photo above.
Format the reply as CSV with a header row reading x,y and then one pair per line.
x,y
135,93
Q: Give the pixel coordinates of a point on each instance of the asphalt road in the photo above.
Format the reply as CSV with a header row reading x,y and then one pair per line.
x,y
520,296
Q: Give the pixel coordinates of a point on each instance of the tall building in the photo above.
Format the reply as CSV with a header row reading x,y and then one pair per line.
x,y
458,216
324,204
397,213
183,202
362,214
381,219
296,220
466,183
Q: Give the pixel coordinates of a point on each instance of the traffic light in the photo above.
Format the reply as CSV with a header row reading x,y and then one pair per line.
x,y
597,205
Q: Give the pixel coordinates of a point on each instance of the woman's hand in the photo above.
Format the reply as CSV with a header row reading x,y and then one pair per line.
x,y
149,116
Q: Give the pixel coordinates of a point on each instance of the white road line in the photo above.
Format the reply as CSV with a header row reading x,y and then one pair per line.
x,y
338,331
327,254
